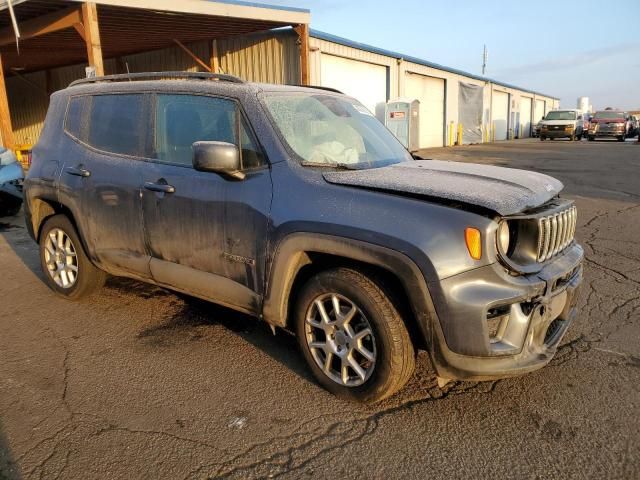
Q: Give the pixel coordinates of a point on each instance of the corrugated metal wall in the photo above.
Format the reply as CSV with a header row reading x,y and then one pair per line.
x,y
271,57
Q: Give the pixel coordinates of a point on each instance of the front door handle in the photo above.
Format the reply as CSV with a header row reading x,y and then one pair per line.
x,y
159,187
78,171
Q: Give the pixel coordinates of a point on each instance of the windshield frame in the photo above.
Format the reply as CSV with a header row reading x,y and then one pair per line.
x,y
297,158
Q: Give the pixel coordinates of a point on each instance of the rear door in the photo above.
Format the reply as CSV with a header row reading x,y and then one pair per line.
x,y
208,236
101,178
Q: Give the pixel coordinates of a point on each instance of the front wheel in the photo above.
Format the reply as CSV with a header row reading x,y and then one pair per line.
x,y
591,138
10,207
67,270
542,139
352,336
621,139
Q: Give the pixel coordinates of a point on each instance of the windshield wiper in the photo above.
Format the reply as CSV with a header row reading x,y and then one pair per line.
x,y
339,166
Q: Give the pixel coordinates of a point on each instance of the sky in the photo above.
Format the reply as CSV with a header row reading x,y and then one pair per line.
x,y
563,48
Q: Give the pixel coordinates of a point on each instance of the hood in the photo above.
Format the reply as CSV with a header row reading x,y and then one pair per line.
x,y
506,191
558,122
608,120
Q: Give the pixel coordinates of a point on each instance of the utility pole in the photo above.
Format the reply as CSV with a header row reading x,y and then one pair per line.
x,y
485,57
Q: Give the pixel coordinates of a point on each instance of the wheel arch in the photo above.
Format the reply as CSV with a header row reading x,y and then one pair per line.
x,y
299,256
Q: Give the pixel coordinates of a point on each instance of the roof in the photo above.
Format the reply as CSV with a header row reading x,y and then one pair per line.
x,y
389,53
131,26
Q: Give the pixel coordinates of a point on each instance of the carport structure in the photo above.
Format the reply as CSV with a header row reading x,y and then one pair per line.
x,y
58,33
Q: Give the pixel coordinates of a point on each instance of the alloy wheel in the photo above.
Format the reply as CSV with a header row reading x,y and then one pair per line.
x,y
61,259
340,339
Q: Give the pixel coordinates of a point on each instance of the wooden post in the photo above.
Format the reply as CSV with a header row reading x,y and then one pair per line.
x,y
92,36
303,34
6,129
214,57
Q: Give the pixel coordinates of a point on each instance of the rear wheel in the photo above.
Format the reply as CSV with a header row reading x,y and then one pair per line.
x,y
352,336
621,138
542,139
591,138
67,270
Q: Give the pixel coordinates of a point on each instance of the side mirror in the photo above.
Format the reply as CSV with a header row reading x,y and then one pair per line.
x,y
218,157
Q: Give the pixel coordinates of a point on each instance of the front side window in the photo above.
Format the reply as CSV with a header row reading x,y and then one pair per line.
x,y
327,130
182,120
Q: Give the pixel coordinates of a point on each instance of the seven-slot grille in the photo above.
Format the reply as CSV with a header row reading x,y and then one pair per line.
x,y
556,232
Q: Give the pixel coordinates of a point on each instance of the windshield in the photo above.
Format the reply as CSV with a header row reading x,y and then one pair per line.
x,y
609,114
328,130
560,115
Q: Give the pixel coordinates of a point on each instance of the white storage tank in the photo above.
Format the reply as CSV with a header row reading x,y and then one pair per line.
x,y
583,104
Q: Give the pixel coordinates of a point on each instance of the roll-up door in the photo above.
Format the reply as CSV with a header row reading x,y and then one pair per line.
x,y
500,115
525,117
539,111
367,82
431,93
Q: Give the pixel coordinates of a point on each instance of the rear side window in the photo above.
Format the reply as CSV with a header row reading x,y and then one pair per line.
x,y
78,117
182,120
111,123
116,124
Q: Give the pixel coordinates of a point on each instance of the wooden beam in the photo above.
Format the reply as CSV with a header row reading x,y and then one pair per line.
x,y
192,55
92,37
6,129
303,35
51,22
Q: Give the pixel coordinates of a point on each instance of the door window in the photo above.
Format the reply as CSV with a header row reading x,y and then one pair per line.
x,y
182,120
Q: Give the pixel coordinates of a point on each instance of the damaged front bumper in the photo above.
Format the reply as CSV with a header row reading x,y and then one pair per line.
x,y
495,325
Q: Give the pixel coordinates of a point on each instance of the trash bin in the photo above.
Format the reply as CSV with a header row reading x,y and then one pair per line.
x,y
23,154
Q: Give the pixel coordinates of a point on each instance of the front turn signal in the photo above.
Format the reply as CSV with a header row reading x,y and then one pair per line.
x,y
473,239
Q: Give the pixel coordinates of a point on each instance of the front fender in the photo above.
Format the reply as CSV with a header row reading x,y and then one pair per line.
x,y
292,254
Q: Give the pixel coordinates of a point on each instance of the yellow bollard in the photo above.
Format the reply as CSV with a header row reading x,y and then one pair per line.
x,y
493,132
459,134
450,142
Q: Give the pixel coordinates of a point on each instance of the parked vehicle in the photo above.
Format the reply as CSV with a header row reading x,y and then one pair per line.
x,y
11,177
562,124
297,206
535,131
608,124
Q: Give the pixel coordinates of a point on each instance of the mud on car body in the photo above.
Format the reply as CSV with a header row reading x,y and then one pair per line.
x,y
297,206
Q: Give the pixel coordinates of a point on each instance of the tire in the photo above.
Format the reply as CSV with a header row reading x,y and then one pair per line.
x,y
621,139
591,138
64,281
542,139
389,344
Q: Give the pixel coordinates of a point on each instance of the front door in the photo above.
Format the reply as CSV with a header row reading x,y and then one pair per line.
x,y
101,178
206,233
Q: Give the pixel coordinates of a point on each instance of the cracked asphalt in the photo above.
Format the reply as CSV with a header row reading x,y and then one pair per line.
x,y
140,382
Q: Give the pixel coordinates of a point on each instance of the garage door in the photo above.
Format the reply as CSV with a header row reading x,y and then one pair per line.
x,y
539,111
430,92
525,117
364,81
500,114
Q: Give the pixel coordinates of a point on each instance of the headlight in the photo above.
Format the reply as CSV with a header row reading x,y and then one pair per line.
x,y
504,237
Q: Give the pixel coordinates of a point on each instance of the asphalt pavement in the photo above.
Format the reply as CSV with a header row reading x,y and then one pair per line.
x,y
140,382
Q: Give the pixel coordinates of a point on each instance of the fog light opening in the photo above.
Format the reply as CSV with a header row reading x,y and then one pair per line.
x,y
497,320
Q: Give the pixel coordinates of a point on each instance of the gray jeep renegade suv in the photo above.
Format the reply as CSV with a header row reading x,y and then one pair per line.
x,y
297,206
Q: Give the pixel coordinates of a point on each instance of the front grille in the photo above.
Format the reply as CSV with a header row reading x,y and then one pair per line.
x,y
556,232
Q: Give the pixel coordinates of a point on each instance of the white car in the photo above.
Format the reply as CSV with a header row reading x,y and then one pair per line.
x,y
562,124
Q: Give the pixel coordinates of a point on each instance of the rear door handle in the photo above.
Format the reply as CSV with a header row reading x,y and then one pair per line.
x,y
159,187
78,171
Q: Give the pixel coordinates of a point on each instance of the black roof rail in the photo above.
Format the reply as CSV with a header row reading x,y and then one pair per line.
x,y
129,77
318,87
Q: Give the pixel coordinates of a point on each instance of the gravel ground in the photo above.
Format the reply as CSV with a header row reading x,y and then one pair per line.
x,y
139,382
